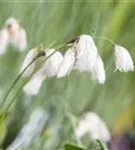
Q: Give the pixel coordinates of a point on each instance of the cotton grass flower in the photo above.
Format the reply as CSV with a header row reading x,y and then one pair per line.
x,y
52,65
17,35
4,40
98,71
88,58
94,126
123,60
28,59
86,53
67,63
49,69
33,86
31,130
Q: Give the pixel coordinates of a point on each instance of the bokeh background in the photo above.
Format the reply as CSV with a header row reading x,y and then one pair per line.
x,y
55,22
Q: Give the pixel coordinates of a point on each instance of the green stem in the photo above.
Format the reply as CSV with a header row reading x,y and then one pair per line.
x,y
105,38
19,76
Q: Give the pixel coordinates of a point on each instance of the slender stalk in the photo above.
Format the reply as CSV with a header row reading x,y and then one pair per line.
x,y
16,80
19,76
105,38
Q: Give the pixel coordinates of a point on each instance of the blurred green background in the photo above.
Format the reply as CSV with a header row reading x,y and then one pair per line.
x,y
48,22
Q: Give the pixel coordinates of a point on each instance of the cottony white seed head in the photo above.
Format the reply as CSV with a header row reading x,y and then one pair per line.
x,y
86,43
81,129
4,40
31,130
19,39
123,60
21,43
67,63
11,25
86,53
33,86
29,57
52,64
92,124
98,71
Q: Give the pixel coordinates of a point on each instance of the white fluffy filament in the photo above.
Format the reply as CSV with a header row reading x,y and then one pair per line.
x,y
33,86
67,63
31,130
98,71
29,57
94,126
123,60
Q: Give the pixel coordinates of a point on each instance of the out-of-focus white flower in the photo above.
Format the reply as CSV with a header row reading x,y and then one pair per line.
x,y
33,86
28,59
31,130
98,71
21,42
67,63
4,40
86,53
52,64
48,69
123,60
94,126
18,37
11,25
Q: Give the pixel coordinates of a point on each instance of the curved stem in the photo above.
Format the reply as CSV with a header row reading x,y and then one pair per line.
x,y
105,38
16,80
41,53
19,76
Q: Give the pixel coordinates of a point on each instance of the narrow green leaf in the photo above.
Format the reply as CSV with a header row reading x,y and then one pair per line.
x,y
73,147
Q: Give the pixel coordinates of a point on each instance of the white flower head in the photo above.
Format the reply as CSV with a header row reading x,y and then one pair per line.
x,y
18,37
94,126
33,86
98,71
31,130
67,63
123,60
11,25
21,43
86,53
4,40
29,57
48,69
52,64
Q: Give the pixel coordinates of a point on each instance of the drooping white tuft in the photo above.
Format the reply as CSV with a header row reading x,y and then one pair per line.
x,y
98,71
29,57
4,40
31,130
21,44
86,53
11,21
33,86
67,63
48,69
52,64
11,25
18,37
123,60
94,126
